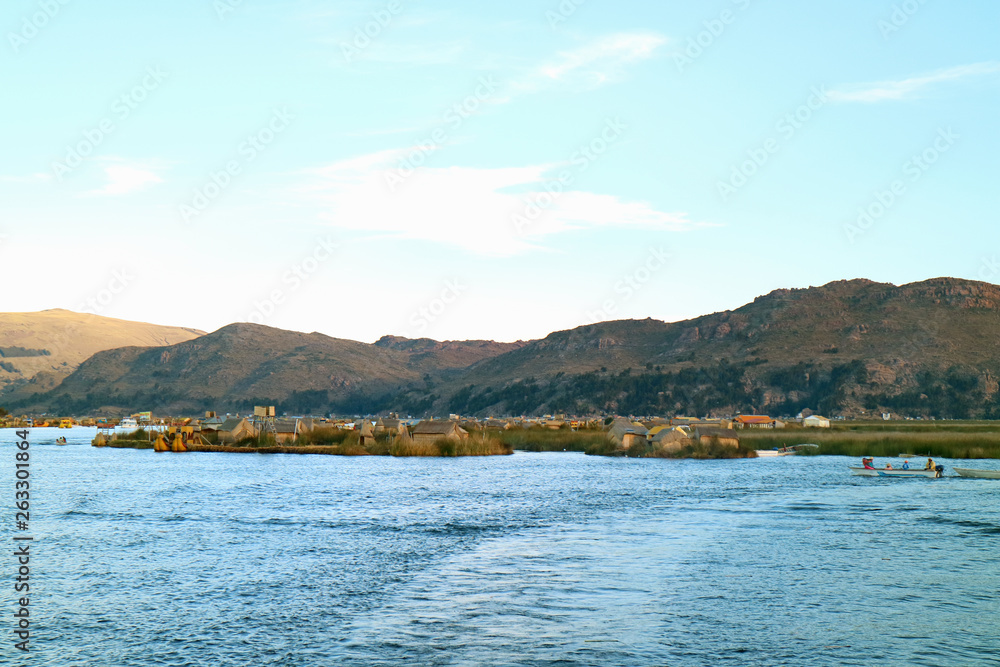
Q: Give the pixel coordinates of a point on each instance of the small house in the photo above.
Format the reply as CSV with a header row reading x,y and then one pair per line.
x,y
726,437
624,432
287,430
816,421
235,428
366,436
432,431
753,421
387,425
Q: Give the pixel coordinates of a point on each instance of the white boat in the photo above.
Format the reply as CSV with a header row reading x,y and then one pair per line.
x,y
782,451
978,474
895,472
128,422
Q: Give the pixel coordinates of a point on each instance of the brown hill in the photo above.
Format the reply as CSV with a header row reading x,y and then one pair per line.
x,y
927,348
786,345
243,364
40,349
437,355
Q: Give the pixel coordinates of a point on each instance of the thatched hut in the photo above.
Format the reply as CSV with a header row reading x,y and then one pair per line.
x,y
726,437
624,433
367,434
432,431
236,428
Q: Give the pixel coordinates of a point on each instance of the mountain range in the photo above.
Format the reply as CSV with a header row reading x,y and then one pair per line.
x,y
850,347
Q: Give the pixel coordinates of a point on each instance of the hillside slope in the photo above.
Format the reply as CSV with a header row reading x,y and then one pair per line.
x,y
849,347
245,364
40,349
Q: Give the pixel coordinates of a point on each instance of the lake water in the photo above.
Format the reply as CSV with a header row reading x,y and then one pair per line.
x,y
531,559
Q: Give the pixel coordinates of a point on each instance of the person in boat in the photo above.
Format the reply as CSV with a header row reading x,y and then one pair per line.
x,y
888,466
906,465
867,463
930,464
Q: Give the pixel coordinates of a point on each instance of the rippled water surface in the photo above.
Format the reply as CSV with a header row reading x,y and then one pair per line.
x,y
531,559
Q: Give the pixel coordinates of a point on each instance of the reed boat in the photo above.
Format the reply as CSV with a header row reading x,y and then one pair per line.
x,y
978,474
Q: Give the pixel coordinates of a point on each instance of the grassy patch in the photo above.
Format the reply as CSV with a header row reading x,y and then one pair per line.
x,y
954,443
547,440
491,446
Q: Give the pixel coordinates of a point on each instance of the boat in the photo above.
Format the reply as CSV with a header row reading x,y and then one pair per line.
x,y
61,441
977,473
782,451
893,472
65,423
128,422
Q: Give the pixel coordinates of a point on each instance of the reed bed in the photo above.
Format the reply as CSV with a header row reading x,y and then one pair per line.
x,y
491,446
693,450
348,446
129,444
330,450
547,440
941,443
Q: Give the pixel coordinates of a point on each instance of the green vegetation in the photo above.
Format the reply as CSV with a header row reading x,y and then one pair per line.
x,y
957,440
644,450
538,439
446,448
15,351
336,442
129,444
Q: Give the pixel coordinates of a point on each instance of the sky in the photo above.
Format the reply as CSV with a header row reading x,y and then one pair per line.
x,y
484,170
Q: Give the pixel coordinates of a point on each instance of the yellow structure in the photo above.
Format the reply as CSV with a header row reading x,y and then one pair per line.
x,y
100,441
65,423
160,445
187,432
178,445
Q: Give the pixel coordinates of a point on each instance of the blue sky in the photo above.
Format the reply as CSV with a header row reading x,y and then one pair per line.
x,y
488,170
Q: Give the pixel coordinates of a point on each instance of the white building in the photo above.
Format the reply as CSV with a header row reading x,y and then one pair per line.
x,y
816,421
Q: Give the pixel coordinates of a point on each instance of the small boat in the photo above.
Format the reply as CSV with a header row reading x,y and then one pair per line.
x,y
128,422
907,456
783,451
978,474
893,472
60,441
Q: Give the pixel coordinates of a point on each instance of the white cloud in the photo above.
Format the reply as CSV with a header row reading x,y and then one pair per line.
x,y
906,88
466,207
123,179
32,178
595,64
